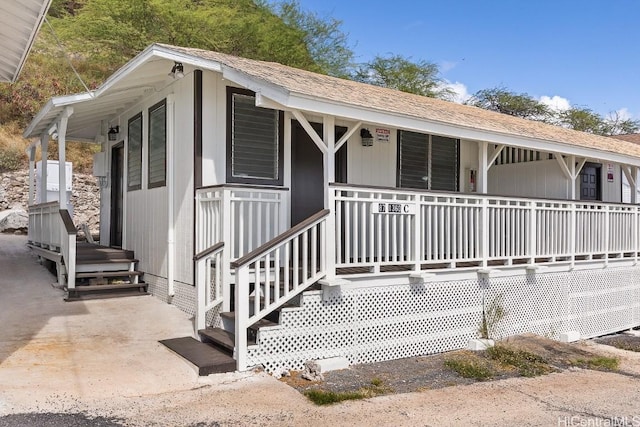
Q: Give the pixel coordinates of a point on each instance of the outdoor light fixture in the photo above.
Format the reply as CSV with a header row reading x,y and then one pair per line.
x,y
177,71
113,133
367,138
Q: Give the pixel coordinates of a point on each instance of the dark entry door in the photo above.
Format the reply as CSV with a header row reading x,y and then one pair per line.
x,y
117,194
307,171
590,182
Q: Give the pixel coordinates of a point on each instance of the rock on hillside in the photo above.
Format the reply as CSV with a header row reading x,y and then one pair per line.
x,y
85,197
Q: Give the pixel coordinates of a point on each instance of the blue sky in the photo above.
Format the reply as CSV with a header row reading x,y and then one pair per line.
x,y
585,52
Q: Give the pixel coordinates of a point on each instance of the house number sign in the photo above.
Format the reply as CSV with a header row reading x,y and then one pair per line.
x,y
395,208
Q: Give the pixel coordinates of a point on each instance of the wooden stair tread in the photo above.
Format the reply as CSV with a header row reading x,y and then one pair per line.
x,y
218,337
109,287
207,358
109,274
231,315
106,261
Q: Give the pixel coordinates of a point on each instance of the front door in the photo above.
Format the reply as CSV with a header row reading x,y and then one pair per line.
x,y
307,171
590,182
117,194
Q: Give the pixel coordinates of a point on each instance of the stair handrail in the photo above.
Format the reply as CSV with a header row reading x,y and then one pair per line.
x,y
313,265
68,248
205,299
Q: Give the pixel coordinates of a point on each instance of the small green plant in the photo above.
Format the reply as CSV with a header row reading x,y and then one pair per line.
x,y
322,397
492,313
11,159
597,362
527,364
470,367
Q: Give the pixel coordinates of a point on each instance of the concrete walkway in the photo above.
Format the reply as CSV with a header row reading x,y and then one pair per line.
x,y
62,364
86,349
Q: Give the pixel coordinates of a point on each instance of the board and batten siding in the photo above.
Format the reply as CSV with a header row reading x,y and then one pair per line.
x,y
146,210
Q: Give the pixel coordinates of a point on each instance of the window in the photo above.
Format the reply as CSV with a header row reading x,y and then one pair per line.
x,y
158,144
134,153
254,140
428,162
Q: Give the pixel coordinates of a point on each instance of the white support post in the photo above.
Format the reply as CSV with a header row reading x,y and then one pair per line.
x,y
631,173
572,172
329,130
201,296
228,235
32,174
44,148
533,231
242,316
573,234
171,241
483,168
62,152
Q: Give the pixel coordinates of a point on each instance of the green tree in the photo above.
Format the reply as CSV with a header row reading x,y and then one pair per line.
x,y
401,73
327,43
521,105
618,125
582,119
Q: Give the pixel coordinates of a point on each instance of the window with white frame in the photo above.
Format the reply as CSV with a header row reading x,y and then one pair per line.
x,y
134,153
428,162
157,155
254,140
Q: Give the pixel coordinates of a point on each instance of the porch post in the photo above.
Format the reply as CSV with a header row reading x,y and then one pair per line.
x,y
32,164
62,165
572,172
634,186
44,147
483,167
330,177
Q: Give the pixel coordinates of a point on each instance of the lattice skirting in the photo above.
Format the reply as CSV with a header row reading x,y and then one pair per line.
x,y
184,298
383,323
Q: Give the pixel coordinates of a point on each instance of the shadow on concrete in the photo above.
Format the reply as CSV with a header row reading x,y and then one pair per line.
x,y
28,299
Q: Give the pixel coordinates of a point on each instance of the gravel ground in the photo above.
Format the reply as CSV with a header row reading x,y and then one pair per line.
x,y
417,374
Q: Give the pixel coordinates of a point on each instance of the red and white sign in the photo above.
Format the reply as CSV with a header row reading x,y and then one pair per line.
x,y
383,135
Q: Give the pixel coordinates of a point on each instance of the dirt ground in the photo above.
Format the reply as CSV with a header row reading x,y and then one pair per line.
x,y
417,374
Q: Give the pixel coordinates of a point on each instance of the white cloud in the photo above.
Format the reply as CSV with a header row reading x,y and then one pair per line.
x,y
623,114
460,91
447,66
556,102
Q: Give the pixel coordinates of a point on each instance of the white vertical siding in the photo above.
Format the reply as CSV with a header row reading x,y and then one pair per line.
x,y
213,129
183,183
530,179
374,165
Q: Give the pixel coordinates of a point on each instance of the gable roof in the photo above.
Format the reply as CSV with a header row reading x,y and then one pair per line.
x,y
285,87
20,21
630,137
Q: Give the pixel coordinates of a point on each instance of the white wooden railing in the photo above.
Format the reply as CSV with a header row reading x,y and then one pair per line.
x,y
45,227
254,215
379,228
68,248
278,270
209,278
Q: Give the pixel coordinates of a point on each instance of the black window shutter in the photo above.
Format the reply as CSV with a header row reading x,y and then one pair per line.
x,y
414,156
444,163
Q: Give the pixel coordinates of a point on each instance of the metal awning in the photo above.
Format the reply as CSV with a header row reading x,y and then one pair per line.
x,y
20,21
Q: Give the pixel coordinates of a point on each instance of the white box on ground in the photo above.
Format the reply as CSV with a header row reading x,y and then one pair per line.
x,y
570,336
332,364
480,344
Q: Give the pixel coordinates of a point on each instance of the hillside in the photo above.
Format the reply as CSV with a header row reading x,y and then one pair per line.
x,y
99,36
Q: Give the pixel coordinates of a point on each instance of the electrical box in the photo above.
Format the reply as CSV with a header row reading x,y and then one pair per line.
x,y
100,164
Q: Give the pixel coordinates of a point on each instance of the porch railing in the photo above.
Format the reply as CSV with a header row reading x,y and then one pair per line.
x,y
209,276
391,229
255,216
68,248
278,271
45,227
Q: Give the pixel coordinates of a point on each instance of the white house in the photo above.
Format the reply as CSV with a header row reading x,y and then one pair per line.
x,y
361,221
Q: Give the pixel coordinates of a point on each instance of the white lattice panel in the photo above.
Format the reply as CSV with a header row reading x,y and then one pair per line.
x,y
372,324
383,323
184,298
604,301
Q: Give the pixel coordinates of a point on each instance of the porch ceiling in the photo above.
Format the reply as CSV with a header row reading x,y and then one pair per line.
x,y
90,109
20,21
